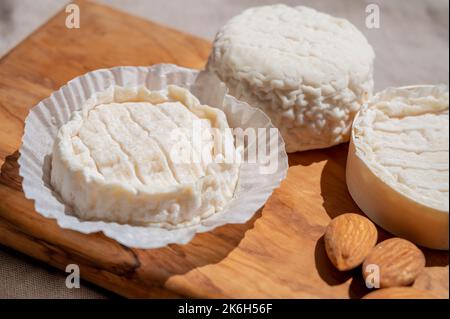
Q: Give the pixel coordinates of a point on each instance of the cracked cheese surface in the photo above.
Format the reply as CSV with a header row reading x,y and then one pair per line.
x,y
309,71
405,141
115,159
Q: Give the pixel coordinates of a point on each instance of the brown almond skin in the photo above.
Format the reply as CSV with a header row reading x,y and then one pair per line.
x,y
348,240
434,279
399,262
400,293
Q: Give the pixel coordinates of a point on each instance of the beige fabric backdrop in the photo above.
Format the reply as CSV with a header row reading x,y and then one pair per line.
x,y
411,46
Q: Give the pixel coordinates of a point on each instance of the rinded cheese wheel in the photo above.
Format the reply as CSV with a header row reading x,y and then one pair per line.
x,y
397,166
117,159
308,71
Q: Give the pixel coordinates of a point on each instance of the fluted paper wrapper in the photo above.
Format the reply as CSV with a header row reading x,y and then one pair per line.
x,y
44,120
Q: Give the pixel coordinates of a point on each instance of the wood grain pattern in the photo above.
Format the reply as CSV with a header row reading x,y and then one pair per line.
x,y
279,253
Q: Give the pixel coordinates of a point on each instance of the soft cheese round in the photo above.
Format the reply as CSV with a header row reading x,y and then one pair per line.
x,y
398,162
309,71
130,156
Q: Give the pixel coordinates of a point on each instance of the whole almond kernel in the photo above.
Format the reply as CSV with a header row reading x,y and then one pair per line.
x,y
349,239
399,262
400,293
434,279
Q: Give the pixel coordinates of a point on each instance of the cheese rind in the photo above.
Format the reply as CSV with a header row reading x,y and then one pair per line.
x,y
308,71
115,159
397,167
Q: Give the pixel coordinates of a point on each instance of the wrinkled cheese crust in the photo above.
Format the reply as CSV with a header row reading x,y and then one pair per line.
x,y
114,160
310,72
405,142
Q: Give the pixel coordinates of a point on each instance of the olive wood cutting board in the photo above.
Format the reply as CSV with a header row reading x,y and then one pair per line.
x,y
279,253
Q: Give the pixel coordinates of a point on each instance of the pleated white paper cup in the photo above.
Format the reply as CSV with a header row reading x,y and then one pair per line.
x,y
256,181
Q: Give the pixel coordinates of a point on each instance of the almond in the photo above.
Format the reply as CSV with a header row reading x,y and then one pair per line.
x,y
349,239
399,262
434,279
400,293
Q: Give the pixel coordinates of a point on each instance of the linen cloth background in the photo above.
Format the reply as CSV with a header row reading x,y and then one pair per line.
x,y
411,46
